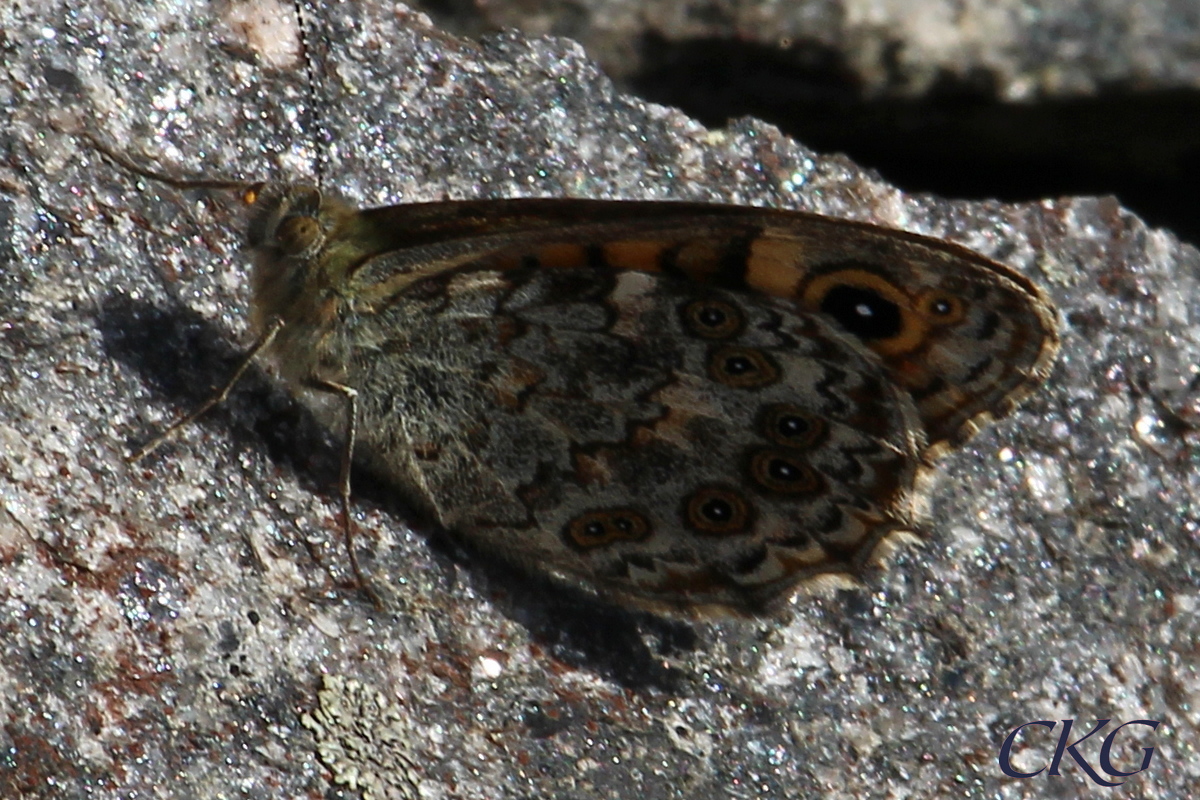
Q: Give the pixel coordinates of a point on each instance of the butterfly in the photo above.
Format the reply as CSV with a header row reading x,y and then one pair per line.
x,y
689,408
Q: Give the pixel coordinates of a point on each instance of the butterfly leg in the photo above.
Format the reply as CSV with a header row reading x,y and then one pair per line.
x,y
263,343
350,396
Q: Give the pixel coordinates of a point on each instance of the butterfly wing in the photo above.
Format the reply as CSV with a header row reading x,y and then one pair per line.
x,y
663,441
685,405
966,336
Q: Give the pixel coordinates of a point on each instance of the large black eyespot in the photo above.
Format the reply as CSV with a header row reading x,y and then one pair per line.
x,y
713,319
783,472
792,426
718,511
742,367
863,312
599,528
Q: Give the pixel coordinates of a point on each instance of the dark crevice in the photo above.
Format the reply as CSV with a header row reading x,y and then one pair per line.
x,y
957,140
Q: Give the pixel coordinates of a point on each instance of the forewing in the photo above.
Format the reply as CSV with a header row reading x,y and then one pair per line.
x,y
966,337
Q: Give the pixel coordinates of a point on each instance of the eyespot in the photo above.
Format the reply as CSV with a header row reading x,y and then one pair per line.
x,y
718,511
942,308
863,312
600,528
713,319
868,305
742,367
297,235
792,426
783,472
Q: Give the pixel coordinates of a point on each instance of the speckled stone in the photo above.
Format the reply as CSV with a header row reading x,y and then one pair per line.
x,y
167,624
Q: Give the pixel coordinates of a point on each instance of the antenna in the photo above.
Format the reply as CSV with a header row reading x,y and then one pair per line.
x,y
125,163
250,189
312,118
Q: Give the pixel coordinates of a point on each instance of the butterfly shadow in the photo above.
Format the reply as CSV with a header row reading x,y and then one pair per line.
x,y
185,359
630,647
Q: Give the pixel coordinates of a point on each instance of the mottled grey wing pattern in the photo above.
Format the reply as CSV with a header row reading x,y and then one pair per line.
x,y
657,438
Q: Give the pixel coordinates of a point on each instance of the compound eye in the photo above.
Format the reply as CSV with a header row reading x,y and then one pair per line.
x,y
297,235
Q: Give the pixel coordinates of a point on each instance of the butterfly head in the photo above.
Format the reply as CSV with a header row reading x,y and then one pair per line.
x,y
294,232
287,219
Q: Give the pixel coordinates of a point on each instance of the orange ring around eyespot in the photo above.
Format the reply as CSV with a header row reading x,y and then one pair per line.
x,y
727,328
741,514
815,426
913,326
609,528
805,480
956,314
762,372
